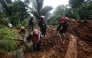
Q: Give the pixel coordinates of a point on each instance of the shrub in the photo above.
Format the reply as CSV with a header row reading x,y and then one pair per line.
x,y
6,42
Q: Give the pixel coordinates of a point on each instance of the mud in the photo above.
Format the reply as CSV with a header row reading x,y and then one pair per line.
x,y
79,45
53,47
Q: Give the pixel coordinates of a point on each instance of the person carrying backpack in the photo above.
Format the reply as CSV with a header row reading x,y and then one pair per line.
x,y
62,28
42,25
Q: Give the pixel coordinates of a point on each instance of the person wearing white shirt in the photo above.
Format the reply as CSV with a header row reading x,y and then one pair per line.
x,y
10,25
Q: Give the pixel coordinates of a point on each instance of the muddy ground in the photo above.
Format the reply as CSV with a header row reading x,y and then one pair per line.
x,y
77,43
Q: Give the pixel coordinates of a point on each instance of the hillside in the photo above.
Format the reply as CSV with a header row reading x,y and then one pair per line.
x,y
77,44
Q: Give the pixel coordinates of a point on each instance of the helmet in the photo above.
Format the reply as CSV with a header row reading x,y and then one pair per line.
x,y
42,16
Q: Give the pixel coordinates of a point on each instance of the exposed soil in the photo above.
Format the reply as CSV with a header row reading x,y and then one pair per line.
x,y
77,42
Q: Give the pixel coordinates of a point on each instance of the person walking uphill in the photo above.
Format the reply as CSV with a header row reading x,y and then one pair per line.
x,y
31,24
62,28
42,25
35,36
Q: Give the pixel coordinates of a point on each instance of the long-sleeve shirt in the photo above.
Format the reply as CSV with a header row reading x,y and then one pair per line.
x,y
34,36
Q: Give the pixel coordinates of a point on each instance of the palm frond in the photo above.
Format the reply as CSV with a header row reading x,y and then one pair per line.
x,y
5,5
9,1
45,10
39,4
37,10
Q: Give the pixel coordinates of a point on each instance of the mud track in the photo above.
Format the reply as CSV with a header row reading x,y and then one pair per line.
x,y
77,44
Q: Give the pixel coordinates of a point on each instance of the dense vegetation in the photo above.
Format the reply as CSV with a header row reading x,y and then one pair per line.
x,y
6,36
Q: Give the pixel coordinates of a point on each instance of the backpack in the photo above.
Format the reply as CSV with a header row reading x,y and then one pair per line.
x,y
62,19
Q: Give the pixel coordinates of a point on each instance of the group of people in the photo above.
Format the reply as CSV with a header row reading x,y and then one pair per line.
x,y
36,34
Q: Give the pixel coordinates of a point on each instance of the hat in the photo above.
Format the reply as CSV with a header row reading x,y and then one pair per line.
x,y
35,31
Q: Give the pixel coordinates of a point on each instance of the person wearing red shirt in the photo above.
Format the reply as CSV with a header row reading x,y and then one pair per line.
x,y
62,28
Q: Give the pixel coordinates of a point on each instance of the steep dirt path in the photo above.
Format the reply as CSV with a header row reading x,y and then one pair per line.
x,y
52,47
72,47
84,50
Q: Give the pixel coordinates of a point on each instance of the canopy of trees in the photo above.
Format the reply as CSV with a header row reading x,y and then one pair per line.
x,y
37,10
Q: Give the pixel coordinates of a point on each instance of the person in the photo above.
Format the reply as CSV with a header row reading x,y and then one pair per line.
x,y
42,20
10,25
42,25
31,24
35,36
62,28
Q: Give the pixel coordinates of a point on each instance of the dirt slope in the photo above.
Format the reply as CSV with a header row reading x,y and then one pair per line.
x,y
78,42
52,48
83,30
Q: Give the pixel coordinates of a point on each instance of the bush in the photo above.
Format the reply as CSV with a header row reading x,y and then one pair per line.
x,y
6,42
4,22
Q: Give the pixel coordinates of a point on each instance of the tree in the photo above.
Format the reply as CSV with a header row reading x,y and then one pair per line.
x,y
16,11
19,12
37,8
5,6
76,3
85,11
60,10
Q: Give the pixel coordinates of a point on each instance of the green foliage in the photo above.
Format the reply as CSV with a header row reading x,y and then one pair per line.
x,y
19,12
4,21
76,3
54,20
7,45
37,10
60,10
16,11
4,32
75,15
46,10
5,6
85,11
6,42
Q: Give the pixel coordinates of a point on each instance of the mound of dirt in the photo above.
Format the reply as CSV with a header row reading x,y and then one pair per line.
x,y
77,43
83,30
